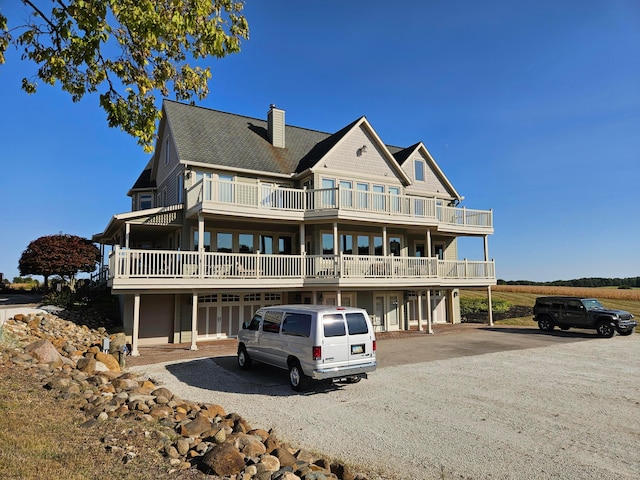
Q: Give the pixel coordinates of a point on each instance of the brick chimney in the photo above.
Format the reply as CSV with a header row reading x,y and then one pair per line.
x,y
275,126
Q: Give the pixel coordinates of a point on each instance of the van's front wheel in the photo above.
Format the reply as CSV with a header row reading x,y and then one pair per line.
x,y
297,378
244,360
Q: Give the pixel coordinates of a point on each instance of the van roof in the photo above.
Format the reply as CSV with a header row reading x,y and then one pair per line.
x,y
314,308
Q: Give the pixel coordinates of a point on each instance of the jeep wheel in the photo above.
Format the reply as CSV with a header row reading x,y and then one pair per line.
x,y
297,379
605,329
244,360
545,324
624,333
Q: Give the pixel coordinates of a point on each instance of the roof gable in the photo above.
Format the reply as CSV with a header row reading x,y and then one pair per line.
x,y
435,180
341,151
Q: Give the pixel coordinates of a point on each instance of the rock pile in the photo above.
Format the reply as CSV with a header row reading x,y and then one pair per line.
x,y
191,435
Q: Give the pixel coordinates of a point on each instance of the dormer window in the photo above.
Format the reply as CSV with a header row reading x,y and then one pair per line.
x,y
419,168
146,201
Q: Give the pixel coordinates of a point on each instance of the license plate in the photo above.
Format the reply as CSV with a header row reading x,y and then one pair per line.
x,y
356,349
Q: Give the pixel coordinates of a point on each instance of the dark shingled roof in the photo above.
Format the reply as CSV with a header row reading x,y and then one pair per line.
x,y
401,154
219,138
144,181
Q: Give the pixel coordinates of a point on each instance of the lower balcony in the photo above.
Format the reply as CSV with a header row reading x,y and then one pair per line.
x,y
177,270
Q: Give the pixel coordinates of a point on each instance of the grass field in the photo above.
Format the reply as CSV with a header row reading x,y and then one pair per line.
x,y
526,295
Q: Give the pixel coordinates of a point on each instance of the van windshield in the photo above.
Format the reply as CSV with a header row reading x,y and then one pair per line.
x,y
357,323
333,325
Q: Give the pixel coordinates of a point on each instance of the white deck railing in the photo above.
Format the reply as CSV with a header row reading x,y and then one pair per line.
x,y
268,196
125,263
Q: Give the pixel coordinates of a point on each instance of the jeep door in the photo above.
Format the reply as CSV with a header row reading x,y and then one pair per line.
x,y
575,314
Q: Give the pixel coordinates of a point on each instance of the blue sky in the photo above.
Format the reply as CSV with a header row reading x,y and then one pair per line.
x,y
531,109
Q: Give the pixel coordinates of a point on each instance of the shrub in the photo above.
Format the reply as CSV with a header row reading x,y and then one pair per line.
x,y
471,306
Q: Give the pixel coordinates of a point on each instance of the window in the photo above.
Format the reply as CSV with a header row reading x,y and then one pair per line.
x,y
419,170
362,198
224,242
180,187
255,322
207,241
377,245
284,246
206,181
333,325
245,243
363,245
378,198
272,322
146,201
357,324
346,244
226,188
574,305
346,193
266,244
394,194
394,246
297,324
327,244
328,193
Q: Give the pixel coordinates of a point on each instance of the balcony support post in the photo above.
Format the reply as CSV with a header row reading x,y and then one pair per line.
x,y
419,310
486,248
136,326
429,313
489,306
194,320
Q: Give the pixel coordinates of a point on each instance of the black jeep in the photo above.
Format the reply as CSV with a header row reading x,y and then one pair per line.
x,y
567,312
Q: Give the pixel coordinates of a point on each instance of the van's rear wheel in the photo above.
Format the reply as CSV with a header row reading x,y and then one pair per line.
x,y
297,378
244,360
354,379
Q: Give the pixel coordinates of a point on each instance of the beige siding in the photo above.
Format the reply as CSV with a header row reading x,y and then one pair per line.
x,y
432,184
164,170
370,164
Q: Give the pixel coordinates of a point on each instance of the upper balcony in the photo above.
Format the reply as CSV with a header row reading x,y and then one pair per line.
x,y
266,201
177,270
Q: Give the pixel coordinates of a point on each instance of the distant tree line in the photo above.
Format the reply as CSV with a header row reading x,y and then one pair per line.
x,y
581,282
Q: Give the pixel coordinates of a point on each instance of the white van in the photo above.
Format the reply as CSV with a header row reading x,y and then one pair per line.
x,y
311,342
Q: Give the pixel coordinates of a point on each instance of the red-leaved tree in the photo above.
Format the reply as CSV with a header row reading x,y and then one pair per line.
x,y
63,255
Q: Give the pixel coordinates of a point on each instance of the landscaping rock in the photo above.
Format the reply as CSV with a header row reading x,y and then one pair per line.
x,y
224,460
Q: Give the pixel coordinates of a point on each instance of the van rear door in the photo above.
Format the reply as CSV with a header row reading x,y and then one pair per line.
x,y
335,344
360,338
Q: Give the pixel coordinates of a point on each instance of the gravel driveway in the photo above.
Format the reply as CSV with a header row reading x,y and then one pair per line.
x,y
567,410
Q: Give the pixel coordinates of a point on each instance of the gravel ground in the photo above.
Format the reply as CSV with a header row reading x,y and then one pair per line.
x,y
566,411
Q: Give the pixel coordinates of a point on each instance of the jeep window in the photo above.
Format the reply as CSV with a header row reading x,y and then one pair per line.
x,y
574,305
255,322
298,324
543,302
557,304
592,303
272,322
333,325
357,324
